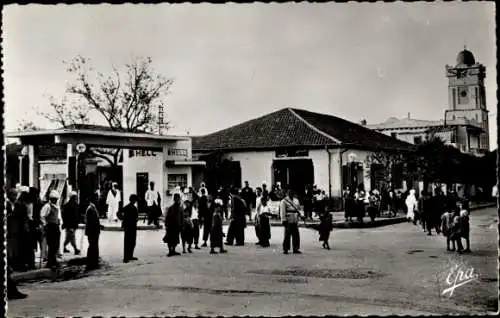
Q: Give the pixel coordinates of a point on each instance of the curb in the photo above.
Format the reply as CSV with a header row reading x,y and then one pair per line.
x,y
47,273
337,224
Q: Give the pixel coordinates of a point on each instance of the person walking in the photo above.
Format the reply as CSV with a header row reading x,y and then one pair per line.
x,y
23,211
465,225
129,224
290,217
308,202
360,200
13,230
113,201
187,227
173,224
237,224
206,214
70,222
446,229
258,207
264,225
248,196
426,208
153,205
93,229
195,219
325,227
51,218
372,206
411,205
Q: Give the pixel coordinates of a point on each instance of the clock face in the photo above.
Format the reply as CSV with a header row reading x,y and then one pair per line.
x,y
462,73
463,96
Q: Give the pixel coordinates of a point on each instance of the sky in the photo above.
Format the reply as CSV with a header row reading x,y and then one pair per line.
x,y
235,62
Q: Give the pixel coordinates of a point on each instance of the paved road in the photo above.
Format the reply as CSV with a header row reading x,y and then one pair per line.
x,y
388,270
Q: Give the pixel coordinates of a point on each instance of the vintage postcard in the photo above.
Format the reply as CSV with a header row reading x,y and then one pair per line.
x,y
253,159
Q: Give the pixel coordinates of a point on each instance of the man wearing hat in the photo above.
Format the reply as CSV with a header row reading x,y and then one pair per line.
x,y
130,217
290,214
70,222
51,219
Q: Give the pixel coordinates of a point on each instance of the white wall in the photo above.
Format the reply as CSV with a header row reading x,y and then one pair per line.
x,y
255,166
151,164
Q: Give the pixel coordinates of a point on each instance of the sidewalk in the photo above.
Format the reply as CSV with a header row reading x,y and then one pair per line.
x,y
65,262
338,221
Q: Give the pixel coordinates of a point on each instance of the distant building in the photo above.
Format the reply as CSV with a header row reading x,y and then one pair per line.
x,y
297,148
465,122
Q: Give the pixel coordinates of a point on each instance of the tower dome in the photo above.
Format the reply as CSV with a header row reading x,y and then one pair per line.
x,y
466,57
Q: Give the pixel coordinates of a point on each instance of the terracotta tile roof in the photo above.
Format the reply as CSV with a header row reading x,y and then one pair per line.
x,y
350,133
290,127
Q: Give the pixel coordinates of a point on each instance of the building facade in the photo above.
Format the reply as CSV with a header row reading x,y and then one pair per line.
x,y
465,121
299,148
51,159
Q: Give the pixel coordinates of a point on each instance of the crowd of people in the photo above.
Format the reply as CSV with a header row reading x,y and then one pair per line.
x,y
196,218
447,214
34,225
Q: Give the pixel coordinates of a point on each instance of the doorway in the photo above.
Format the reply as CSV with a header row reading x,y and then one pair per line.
x,y
294,174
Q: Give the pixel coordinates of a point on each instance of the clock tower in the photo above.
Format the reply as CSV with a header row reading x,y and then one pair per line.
x,y
467,95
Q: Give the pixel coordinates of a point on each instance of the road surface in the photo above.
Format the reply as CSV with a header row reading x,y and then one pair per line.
x,y
395,269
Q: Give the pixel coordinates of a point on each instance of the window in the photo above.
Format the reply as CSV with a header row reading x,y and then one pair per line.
x,y
454,93
394,135
477,118
177,180
417,140
477,96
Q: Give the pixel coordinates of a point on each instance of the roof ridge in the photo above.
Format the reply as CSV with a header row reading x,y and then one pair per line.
x,y
312,127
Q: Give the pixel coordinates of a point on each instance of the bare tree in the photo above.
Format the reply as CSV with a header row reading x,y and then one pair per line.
x,y
24,125
126,100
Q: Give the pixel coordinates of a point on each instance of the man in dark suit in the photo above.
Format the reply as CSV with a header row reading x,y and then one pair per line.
x,y
129,224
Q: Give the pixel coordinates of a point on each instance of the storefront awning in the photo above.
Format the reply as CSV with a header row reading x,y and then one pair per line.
x,y
184,163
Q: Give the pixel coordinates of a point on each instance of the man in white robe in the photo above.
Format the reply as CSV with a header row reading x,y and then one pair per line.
x,y
113,201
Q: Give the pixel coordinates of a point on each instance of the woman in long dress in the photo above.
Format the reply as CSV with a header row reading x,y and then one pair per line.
x,y
411,205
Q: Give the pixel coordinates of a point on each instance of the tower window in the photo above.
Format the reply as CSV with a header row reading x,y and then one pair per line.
x,y
477,119
454,93
477,96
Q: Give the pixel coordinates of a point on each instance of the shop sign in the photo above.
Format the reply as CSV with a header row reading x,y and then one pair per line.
x,y
141,153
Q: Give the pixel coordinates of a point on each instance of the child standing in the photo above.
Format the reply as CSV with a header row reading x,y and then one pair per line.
x,y
216,233
325,227
456,232
187,228
446,226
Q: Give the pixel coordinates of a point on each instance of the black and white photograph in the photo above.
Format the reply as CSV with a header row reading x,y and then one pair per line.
x,y
250,159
